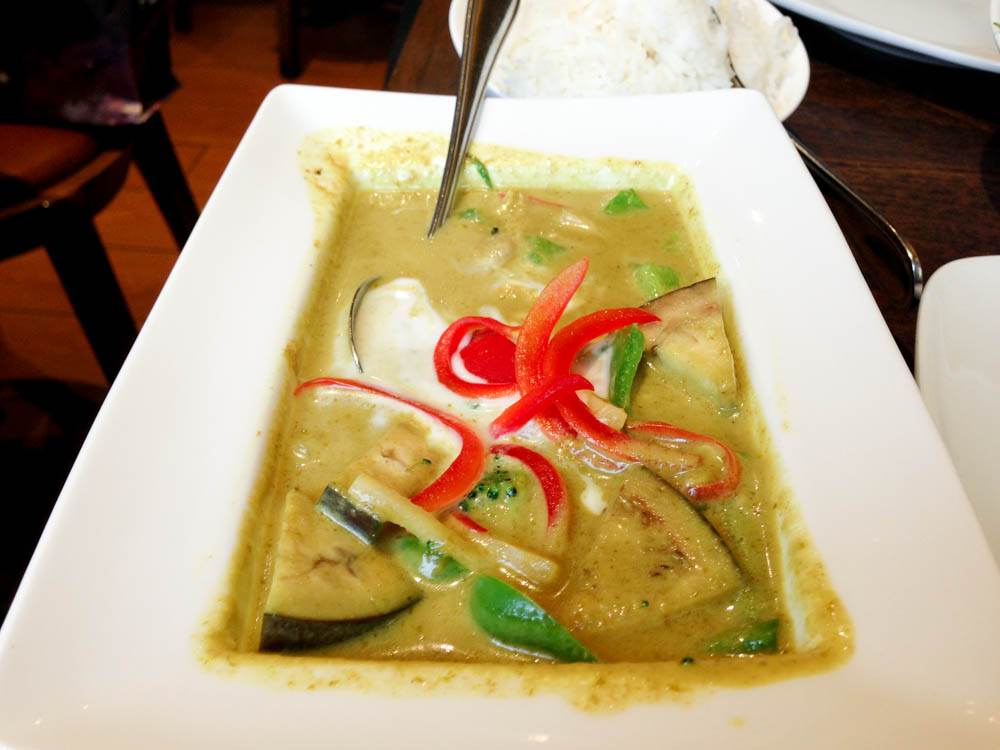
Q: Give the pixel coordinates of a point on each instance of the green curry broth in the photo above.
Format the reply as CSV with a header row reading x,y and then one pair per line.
x,y
487,255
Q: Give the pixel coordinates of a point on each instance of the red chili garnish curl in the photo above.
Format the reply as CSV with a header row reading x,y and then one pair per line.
x,y
448,344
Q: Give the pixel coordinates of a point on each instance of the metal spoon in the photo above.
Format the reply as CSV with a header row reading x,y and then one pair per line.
x,y
904,249
486,25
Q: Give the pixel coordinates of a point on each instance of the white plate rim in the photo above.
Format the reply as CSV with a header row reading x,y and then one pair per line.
x,y
859,24
995,21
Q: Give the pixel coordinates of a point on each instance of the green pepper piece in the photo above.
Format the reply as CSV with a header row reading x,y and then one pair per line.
x,y
626,200
513,620
673,243
655,280
540,249
473,214
428,561
759,638
626,353
483,172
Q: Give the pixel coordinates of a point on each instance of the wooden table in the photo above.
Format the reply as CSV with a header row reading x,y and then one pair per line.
x,y
920,141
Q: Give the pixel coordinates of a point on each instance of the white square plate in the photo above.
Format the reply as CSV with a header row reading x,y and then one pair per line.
x,y
99,648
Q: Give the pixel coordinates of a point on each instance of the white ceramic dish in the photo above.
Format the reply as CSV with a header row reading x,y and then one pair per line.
x,y
99,647
958,369
995,21
952,31
786,101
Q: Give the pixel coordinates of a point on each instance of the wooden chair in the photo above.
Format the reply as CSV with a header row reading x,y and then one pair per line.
x,y
53,181
83,81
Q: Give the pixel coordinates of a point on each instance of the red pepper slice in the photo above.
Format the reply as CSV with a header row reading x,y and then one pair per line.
x,y
619,445
562,350
552,484
463,473
533,199
568,342
559,356
490,356
704,492
465,520
448,344
533,340
518,414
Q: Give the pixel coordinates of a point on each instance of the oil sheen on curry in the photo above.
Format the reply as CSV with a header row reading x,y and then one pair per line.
x,y
530,441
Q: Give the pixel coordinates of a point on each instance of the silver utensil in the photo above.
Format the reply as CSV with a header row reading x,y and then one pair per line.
x,y
486,25
903,249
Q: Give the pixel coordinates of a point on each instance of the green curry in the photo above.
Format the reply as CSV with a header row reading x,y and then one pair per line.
x,y
552,454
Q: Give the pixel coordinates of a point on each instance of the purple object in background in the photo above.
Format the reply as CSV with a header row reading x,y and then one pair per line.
x,y
86,62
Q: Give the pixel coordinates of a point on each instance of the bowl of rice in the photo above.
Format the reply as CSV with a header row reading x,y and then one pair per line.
x,y
593,48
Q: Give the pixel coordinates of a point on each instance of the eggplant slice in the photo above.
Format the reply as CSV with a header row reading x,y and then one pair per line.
x,y
328,585
689,341
653,554
280,633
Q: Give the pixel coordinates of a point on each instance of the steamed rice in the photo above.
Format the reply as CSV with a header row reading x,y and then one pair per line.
x,y
581,48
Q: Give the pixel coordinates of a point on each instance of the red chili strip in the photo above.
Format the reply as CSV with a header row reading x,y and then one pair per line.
x,y
556,500
448,344
533,339
619,445
533,199
466,521
559,356
535,401
568,342
463,473
704,492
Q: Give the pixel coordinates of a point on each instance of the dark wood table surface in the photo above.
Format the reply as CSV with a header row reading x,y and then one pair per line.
x,y
919,140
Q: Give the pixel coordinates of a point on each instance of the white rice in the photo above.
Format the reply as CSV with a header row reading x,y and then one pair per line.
x,y
583,48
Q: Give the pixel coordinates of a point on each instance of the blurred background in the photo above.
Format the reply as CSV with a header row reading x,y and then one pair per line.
x,y
224,55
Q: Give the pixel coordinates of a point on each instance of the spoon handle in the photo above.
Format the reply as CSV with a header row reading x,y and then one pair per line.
x,y
903,249
486,25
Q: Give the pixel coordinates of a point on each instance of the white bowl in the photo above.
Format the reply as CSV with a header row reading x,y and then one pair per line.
x,y
785,102
100,650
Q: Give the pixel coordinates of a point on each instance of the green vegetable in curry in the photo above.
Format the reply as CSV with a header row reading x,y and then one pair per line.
x,y
541,249
626,354
624,201
514,620
655,280
483,172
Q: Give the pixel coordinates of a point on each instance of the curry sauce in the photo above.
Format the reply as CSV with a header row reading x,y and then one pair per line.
x,y
689,558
